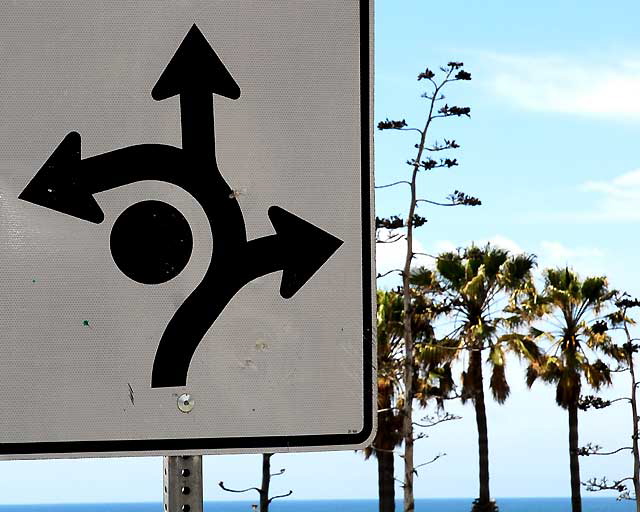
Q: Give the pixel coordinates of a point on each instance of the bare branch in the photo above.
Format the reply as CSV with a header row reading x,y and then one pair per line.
x,y
392,239
432,421
278,473
410,130
430,164
595,485
221,484
448,144
618,369
588,401
594,449
389,272
621,399
428,462
281,496
437,203
394,184
391,234
624,448
425,254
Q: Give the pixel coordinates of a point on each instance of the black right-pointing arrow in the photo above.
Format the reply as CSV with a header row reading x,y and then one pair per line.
x,y
298,248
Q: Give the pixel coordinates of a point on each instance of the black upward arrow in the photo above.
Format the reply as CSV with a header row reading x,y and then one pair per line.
x,y
66,183
195,73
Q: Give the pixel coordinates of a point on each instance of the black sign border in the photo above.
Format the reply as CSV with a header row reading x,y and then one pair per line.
x,y
130,447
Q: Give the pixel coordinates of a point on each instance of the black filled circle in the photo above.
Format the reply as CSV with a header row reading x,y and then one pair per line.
x,y
151,242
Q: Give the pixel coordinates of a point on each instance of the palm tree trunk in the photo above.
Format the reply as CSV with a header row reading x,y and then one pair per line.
x,y
484,498
574,463
266,481
386,483
385,456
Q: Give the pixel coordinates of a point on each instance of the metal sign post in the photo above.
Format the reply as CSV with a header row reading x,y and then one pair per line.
x,y
183,483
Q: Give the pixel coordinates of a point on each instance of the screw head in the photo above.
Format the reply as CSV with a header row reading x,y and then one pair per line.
x,y
185,403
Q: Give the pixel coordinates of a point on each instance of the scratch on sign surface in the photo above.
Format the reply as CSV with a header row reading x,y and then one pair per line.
x,y
131,397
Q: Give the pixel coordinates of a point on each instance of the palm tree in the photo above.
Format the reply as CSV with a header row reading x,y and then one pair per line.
x,y
479,283
572,307
389,433
431,380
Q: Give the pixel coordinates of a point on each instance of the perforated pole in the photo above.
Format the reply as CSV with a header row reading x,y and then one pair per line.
x,y
183,483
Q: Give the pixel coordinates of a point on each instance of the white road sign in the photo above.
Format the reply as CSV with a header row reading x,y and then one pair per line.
x,y
185,227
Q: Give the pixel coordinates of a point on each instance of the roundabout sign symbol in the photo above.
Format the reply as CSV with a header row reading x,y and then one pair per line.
x,y
151,241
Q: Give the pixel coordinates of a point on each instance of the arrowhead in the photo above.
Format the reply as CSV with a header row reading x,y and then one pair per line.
x,y
304,249
195,66
56,184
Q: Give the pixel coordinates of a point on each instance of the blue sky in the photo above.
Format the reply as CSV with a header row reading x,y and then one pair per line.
x,y
551,150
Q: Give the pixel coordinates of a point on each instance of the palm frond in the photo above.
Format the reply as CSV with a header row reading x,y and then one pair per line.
x,y
516,271
498,383
574,305
523,346
451,269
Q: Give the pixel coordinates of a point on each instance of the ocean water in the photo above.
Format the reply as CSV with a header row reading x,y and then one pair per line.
x,y
422,505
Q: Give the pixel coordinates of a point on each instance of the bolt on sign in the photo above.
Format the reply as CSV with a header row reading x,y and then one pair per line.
x,y
185,227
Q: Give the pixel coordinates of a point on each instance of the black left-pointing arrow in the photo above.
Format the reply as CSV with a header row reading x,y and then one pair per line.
x,y
58,185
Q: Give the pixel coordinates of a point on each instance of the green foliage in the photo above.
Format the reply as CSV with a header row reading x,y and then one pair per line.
x,y
573,305
389,341
476,283
432,371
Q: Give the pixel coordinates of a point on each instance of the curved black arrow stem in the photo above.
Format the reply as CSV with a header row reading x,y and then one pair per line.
x,y
257,258
195,72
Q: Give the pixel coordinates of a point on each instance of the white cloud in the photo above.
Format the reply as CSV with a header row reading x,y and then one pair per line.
x,y
444,246
556,84
497,240
585,260
391,256
616,199
504,243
